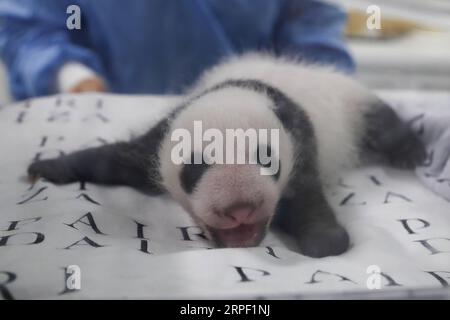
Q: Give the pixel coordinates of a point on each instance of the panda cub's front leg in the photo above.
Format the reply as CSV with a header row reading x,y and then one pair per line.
x,y
310,220
122,163
322,237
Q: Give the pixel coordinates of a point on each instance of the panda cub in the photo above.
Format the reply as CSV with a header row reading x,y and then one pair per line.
x,y
325,122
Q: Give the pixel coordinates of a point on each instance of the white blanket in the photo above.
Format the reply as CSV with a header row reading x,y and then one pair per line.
x,y
124,244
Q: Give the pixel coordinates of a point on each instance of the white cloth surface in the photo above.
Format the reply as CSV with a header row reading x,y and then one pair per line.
x,y
394,222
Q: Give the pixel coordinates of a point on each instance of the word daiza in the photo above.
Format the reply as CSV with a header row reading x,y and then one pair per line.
x,y
325,121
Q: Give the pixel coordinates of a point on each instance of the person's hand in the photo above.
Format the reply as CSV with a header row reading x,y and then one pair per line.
x,y
88,85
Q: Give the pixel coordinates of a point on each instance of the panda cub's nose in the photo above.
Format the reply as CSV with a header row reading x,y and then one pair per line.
x,y
240,213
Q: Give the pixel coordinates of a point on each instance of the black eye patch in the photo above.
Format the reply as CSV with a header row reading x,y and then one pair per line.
x,y
191,173
268,153
276,176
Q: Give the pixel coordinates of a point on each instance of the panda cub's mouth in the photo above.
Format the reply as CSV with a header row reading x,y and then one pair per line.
x,y
244,235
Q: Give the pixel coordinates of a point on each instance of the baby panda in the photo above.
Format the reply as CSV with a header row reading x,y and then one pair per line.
x,y
325,121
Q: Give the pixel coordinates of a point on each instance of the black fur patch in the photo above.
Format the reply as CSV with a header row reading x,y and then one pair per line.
x,y
389,139
191,173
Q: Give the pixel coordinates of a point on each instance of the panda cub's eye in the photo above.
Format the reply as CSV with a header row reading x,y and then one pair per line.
x,y
265,152
264,158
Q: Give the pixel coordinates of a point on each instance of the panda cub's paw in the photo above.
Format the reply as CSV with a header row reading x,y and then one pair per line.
x,y
324,240
409,152
54,170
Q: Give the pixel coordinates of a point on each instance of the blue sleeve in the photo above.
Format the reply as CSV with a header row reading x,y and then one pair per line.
x,y
314,31
35,42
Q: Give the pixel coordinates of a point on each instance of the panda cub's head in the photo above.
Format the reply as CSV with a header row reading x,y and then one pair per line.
x,y
211,163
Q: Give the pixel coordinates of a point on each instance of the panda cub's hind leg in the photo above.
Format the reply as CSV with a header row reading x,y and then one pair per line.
x,y
391,139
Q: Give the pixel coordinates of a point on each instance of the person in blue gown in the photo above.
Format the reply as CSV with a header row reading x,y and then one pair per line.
x,y
156,46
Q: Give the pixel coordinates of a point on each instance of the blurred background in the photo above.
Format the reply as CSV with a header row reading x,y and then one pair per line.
x,y
411,51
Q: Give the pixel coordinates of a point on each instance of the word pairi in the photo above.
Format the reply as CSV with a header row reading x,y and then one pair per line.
x,y
258,150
